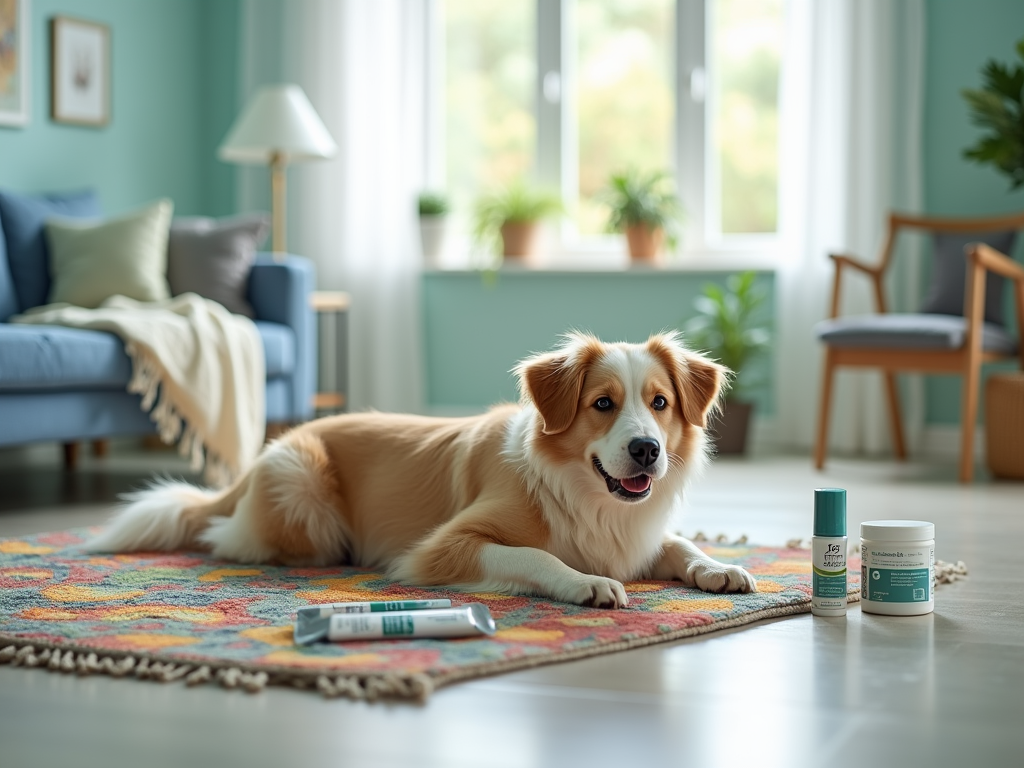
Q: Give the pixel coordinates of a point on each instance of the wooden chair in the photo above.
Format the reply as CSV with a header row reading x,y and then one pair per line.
x,y
930,341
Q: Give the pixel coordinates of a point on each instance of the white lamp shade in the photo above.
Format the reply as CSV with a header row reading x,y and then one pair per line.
x,y
278,119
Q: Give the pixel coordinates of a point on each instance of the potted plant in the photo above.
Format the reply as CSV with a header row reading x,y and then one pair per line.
x,y
728,327
645,207
512,216
999,107
433,210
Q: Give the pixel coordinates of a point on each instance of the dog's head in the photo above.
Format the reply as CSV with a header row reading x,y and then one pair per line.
x,y
623,415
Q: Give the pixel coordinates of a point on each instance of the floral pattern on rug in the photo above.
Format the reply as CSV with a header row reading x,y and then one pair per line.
x,y
188,607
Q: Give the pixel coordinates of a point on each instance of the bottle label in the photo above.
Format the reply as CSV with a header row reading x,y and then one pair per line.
x,y
829,575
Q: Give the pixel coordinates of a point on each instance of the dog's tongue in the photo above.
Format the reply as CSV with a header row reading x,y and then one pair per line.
x,y
637,484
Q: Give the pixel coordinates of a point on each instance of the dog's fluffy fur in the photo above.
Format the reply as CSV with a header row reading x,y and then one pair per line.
x,y
566,495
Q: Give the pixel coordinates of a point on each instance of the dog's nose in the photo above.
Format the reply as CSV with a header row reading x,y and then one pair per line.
x,y
644,450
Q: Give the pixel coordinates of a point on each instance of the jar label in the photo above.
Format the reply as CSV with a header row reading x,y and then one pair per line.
x,y
896,574
886,585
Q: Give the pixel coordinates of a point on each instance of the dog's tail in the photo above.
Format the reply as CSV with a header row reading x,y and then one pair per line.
x,y
166,516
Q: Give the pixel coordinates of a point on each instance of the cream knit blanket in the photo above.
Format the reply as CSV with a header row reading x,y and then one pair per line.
x,y
199,368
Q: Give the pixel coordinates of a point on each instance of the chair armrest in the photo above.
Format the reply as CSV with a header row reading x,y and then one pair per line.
x,y
994,261
874,272
279,292
845,260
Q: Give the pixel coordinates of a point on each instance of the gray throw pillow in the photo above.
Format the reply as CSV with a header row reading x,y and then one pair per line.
x,y
213,257
949,275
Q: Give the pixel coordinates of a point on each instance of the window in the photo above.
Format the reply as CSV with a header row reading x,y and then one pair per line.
x,y
570,91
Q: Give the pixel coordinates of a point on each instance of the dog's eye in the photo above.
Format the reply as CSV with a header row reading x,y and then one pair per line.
x,y
659,403
604,404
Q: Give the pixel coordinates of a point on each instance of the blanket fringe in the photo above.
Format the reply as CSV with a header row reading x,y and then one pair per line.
x,y
372,687
172,425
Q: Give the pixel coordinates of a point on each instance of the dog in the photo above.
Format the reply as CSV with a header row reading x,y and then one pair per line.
x,y
565,496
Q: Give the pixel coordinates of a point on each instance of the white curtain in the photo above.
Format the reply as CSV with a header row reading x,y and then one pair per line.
x,y
851,152
363,66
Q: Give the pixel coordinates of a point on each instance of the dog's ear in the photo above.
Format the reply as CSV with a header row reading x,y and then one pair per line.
x,y
553,381
699,382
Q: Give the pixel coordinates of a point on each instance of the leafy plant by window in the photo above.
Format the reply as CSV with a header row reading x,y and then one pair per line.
x,y
727,326
433,204
516,203
998,107
644,199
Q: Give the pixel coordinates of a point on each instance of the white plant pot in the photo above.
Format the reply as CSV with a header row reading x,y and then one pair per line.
x,y
433,234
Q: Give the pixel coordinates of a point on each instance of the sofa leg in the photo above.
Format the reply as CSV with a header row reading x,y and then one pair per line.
x,y
100,448
70,455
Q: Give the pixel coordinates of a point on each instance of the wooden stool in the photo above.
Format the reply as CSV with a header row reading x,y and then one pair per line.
x,y
1004,425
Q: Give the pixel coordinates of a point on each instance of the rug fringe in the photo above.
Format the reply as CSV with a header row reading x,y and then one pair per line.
x,y
368,687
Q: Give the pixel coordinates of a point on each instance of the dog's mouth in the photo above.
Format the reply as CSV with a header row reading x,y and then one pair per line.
x,y
630,488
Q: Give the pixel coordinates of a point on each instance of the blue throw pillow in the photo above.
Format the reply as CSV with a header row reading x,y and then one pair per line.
x,y
8,298
28,257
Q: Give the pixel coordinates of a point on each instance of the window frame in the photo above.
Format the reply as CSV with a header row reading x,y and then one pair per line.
x,y
556,164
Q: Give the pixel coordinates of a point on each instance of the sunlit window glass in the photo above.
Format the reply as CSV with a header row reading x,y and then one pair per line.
x,y
490,73
625,94
745,44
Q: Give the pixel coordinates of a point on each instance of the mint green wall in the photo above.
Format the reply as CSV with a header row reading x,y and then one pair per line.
x,y
476,328
961,36
173,96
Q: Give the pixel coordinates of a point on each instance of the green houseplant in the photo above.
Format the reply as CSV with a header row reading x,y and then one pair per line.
x,y
998,106
646,208
727,326
433,209
512,217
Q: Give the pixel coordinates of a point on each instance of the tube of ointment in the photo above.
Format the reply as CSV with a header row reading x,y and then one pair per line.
x,y
464,621
329,609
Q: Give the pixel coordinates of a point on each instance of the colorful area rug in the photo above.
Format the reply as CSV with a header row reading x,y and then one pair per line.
x,y
189,617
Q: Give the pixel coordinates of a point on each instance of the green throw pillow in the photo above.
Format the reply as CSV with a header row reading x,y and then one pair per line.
x,y
90,261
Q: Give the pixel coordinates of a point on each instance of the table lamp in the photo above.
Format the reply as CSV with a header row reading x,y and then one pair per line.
x,y
278,126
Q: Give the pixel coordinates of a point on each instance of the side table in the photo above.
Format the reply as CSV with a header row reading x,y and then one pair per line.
x,y
332,355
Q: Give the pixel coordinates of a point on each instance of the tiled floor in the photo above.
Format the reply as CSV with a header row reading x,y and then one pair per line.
x,y
938,690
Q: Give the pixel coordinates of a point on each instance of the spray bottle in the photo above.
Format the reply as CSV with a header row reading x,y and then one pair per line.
x,y
828,547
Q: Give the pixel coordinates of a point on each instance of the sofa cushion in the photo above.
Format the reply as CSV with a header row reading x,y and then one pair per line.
x,y
278,348
37,358
213,257
48,357
28,255
909,331
127,256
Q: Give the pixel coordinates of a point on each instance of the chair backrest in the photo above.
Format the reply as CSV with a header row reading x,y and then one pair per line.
x,y
945,294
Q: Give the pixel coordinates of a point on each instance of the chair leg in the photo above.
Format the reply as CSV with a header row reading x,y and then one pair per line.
x,y
821,445
893,395
70,455
968,417
100,447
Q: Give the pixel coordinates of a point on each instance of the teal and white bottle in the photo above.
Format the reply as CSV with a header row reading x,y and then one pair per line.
x,y
828,547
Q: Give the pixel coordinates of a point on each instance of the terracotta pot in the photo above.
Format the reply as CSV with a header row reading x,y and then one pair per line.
x,y
520,240
729,429
645,243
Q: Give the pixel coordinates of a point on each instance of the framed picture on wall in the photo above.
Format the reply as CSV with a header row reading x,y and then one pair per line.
x,y
14,61
79,71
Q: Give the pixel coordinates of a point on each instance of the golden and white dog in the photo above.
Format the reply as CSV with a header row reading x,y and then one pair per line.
x,y
565,496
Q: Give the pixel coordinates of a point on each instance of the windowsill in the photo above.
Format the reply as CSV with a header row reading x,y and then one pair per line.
x,y
730,261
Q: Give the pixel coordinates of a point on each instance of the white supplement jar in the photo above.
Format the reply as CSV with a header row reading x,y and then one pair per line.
x,y
897,569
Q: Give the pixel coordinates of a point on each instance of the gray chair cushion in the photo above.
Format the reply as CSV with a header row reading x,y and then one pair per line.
x,y
949,274
213,257
908,331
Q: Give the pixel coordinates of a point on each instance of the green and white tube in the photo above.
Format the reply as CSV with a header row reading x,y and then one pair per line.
x,y
382,606
464,621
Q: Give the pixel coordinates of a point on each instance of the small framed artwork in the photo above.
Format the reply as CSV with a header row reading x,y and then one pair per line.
x,y
80,72
14,61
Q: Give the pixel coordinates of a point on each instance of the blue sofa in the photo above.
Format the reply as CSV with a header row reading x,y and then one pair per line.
x,y
66,384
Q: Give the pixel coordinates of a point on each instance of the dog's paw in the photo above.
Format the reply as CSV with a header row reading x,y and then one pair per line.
x,y
599,592
712,576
